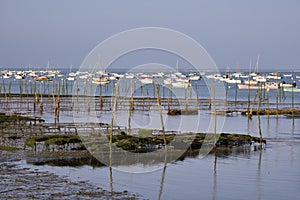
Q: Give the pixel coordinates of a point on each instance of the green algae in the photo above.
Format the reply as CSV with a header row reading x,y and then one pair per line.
x,y
8,148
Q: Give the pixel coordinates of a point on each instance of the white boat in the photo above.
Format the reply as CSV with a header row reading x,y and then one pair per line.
x,y
246,87
291,89
267,86
260,78
19,77
182,79
101,80
193,77
116,75
250,82
71,78
112,78
244,76
103,77
176,84
168,81
146,80
6,76
271,85
60,75
83,75
129,76
274,76
287,75
158,75
214,76
287,85
180,84
234,81
32,74
237,74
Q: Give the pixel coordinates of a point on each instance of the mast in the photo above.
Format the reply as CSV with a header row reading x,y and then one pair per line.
x,y
257,64
99,66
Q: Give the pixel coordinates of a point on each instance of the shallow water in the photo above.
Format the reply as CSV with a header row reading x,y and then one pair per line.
x,y
272,173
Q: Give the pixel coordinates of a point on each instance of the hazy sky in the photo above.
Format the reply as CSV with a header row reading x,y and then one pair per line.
x,y
232,31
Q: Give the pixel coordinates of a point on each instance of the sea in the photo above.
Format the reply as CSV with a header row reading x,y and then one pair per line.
x,y
251,173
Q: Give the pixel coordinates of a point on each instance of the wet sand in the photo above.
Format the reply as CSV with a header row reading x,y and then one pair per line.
x,y
18,182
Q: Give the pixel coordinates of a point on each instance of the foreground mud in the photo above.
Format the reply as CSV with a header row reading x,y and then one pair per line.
x,y
18,182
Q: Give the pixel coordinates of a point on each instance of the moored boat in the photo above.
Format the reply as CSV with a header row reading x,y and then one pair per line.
x,y
146,80
101,80
43,78
291,89
246,87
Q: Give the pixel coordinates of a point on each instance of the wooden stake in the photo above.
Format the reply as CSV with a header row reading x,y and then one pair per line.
x,y
293,115
258,115
160,114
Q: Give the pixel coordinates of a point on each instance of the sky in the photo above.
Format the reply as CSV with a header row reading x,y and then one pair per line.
x,y
234,32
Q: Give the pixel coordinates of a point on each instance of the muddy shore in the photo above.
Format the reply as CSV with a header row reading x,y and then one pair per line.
x,y
18,182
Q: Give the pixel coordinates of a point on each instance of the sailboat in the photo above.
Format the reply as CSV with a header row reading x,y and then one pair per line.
x,y
291,89
103,77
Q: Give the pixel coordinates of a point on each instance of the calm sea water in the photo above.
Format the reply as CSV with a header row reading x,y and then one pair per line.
x,y
273,173
269,174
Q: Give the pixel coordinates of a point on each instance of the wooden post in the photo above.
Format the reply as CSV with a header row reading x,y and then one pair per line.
x,y
169,97
67,92
9,87
197,95
258,115
250,113
226,94
186,99
41,100
100,96
131,97
131,107
236,93
160,114
249,99
277,100
113,116
283,94
293,115
147,93
27,93
215,114
21,88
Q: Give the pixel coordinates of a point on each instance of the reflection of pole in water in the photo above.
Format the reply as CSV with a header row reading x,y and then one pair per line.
x,y
258,178
215,176
163,174
111,179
